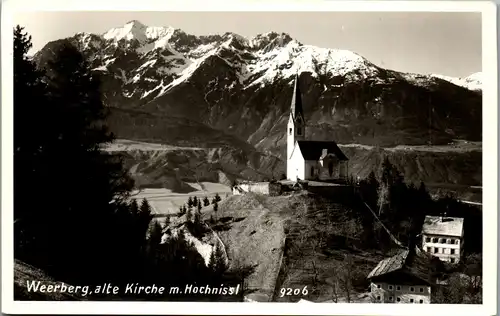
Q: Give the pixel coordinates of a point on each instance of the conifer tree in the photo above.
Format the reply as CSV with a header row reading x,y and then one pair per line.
x,y
197,222
217,261
217,197
216,208
63,106
189,215
29,104
195,201
199,206
145,209
155,234
190,202
134,208
206,202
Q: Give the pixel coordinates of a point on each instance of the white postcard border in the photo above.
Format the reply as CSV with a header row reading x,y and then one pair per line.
x,y
490,142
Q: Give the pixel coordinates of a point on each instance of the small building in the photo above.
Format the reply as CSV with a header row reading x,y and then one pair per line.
x,y
404,278
443,237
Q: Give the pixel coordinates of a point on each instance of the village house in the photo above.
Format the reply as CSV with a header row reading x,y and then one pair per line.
x,y
443,237
407,277
306,159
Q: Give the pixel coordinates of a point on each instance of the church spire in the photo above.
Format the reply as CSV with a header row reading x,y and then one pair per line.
x,y
296,107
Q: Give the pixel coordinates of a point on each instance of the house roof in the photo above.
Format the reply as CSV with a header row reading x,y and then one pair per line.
x,y
314,150
416,263
446,226
389,265
423,265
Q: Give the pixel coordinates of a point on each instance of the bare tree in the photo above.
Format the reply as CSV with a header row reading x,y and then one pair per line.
x,y
335,289
315,276
346,276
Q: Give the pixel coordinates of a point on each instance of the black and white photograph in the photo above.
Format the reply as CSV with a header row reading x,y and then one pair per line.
x,y
250,156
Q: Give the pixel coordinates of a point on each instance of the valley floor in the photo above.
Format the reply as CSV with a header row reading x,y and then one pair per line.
x,y
165,201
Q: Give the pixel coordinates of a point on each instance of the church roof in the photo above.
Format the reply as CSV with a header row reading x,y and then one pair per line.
x,y
296,107
314,150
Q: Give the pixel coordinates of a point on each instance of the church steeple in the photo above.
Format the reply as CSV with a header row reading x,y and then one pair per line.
x,y
296,107
296,125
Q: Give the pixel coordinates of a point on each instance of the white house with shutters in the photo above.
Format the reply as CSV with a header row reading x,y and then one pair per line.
x,y
443,237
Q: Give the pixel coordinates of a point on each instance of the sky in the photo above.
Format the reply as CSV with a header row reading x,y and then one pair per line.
x,y
445,43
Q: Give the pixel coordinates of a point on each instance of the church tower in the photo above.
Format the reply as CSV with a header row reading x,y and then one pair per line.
x,y
296,125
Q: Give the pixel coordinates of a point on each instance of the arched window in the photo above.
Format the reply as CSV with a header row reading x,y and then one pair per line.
x,y
290,131
299,131
312,171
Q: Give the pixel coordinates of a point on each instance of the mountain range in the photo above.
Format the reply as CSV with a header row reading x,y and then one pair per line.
x,y
228,91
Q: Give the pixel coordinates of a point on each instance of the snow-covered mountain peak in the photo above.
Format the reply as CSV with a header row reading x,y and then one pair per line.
x,y
270,40
138,31
471,82
135,24
475,77
295,58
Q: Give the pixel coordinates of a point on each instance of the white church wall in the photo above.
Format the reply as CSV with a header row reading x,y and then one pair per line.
x,y
295,166
312,169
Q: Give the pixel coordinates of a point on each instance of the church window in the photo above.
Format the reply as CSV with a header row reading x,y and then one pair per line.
x,y
299,131
312,171
290,131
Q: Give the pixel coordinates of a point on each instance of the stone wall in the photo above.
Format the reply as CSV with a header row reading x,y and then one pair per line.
x,y
266,188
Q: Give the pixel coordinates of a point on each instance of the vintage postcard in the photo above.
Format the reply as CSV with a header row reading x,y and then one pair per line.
x,y
312,159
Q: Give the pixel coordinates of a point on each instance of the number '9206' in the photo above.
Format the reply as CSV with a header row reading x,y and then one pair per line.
x,y
286,291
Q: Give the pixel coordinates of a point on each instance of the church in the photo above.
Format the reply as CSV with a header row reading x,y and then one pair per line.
x,y
308,159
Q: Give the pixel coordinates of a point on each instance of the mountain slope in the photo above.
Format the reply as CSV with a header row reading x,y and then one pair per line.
x,y
230,95
242,87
